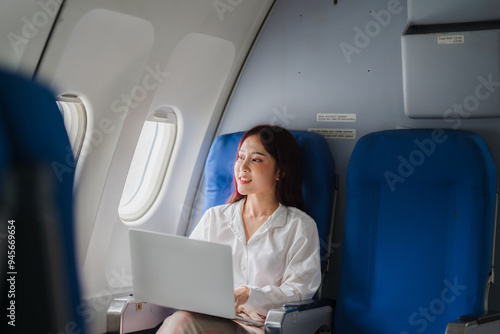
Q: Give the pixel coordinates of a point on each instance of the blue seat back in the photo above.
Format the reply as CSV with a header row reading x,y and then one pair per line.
x,y
37,159
418,231
318,177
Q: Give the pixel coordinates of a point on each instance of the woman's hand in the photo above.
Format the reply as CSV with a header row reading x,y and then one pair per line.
x,y
241,295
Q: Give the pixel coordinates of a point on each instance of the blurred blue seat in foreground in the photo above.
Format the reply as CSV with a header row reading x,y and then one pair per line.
x,y
36,190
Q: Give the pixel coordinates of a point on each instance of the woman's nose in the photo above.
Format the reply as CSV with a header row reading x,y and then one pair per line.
x,y
243,166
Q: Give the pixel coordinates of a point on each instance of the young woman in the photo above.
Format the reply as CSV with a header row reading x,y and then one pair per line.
x,y
275,245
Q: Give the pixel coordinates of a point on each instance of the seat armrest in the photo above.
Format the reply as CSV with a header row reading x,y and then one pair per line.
x,y
309,316
481,318
484,323
310,304
127,315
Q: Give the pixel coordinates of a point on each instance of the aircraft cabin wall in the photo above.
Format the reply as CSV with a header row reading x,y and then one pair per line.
x,y
175,63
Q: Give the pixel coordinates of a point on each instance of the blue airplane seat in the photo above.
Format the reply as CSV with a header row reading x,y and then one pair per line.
x,y
319,192
418,234
318,178
37,205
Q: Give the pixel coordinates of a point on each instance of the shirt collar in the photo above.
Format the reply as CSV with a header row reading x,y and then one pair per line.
x,y
234,211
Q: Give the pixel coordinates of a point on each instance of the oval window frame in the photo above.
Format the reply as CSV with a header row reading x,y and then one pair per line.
x,y
141,191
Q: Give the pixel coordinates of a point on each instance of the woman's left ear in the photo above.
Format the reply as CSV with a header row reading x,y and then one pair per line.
x,y
279,174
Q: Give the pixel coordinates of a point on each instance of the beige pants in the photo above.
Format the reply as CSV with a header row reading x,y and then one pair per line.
x,y
183,322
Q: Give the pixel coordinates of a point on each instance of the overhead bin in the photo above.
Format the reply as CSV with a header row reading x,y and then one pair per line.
x,y
452,70
451,59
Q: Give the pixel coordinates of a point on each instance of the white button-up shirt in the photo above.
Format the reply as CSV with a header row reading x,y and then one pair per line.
x,y
280,263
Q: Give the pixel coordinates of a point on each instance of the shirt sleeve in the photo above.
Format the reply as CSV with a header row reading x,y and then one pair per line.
x,y
301,279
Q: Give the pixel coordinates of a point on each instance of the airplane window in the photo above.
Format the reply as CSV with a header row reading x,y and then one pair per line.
x,y
149,165
75,120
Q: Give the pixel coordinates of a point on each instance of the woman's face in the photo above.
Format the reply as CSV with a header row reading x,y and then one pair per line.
x,y
255,169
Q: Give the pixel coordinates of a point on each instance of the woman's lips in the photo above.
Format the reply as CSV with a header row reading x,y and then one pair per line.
x,y
244,180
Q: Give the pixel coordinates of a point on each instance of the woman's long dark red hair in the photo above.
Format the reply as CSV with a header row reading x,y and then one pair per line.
x,y
283,147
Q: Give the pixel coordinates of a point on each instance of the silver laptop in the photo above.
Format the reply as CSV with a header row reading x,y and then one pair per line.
x,y
183,273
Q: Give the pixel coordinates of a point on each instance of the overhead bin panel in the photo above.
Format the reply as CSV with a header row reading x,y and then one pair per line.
x,y
452,70
451,59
